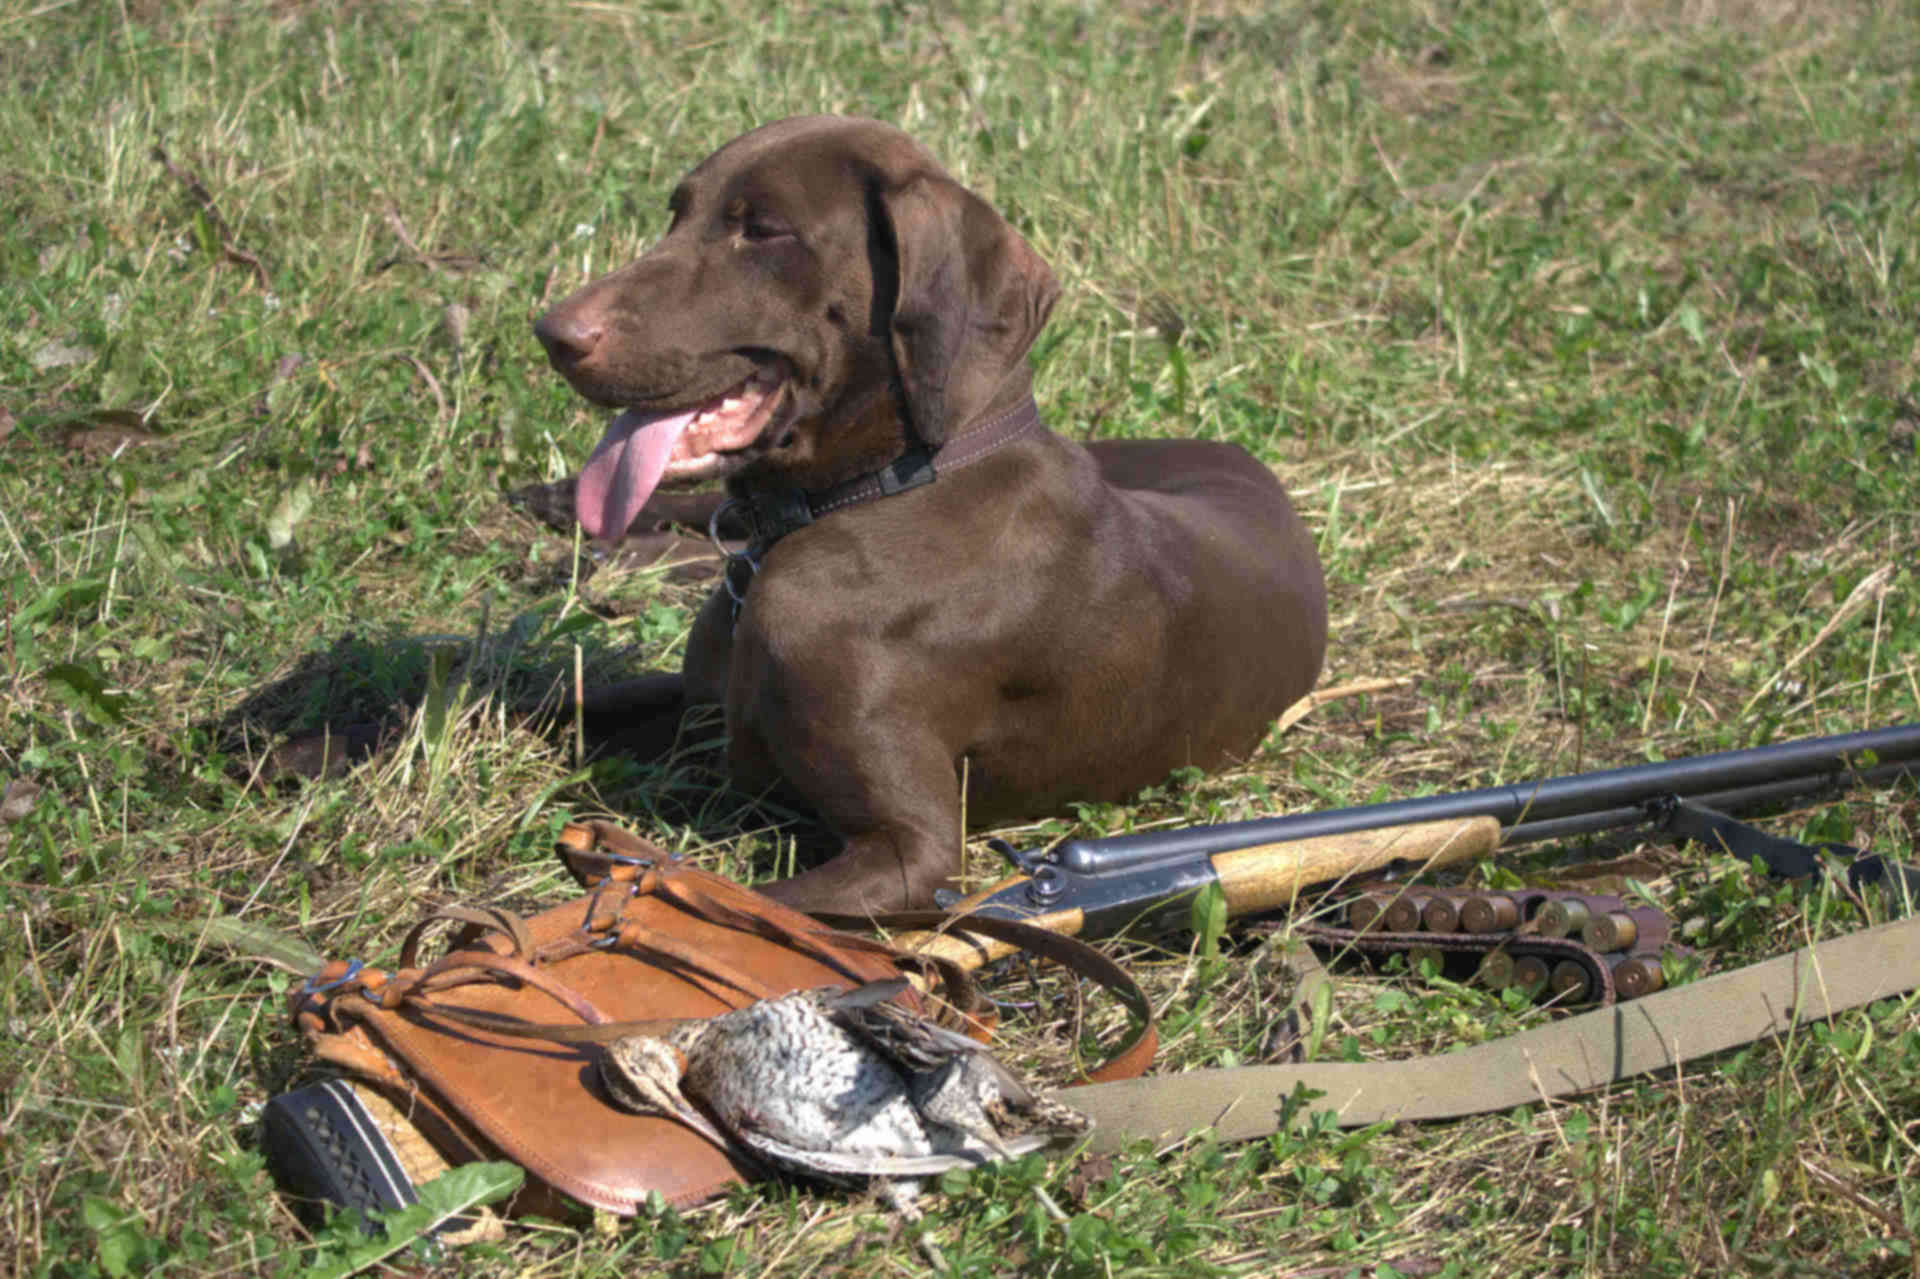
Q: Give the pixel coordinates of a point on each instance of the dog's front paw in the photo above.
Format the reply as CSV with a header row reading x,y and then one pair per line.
x,y
851,884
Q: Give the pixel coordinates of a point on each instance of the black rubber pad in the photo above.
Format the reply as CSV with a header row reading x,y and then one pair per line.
x,y
323,1147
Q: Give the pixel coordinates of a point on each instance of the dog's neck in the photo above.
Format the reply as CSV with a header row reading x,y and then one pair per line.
x,y
775,511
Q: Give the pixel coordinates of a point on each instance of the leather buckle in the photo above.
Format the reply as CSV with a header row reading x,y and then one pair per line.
x,y
908,471
785,509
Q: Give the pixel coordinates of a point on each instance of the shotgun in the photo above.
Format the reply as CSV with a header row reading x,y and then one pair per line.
x,y
1106,887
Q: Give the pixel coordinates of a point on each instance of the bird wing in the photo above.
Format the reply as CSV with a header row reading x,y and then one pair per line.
x,y
912,1041
855,1163
873,992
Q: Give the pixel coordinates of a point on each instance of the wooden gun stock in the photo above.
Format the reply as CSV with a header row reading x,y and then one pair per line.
x,y
1264,877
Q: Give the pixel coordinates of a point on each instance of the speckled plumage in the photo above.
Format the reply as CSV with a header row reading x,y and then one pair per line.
x,y
839,1085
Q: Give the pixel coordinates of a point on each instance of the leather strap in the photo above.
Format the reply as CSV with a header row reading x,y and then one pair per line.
x,y
1135,1052
1593,1050
608,859
605,857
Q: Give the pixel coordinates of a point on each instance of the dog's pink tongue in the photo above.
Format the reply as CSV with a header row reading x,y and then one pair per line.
x,y
625,468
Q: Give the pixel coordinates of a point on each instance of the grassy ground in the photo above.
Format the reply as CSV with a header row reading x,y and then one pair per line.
x,y
1585,334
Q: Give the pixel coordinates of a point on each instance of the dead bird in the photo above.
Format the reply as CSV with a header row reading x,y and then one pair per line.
x,y
845,1086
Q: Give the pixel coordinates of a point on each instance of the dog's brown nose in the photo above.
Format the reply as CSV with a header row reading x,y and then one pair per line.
x,y
569,334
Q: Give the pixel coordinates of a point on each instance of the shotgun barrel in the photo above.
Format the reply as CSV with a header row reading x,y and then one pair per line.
x,y
1099,887
1528,812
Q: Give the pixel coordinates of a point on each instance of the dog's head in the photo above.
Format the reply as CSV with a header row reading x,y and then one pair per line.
x,y
824,292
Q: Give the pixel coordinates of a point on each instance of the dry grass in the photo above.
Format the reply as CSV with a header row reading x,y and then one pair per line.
x,y
1582,334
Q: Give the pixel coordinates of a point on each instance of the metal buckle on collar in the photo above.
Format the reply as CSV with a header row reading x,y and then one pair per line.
x,y
713,527
740,566
738,575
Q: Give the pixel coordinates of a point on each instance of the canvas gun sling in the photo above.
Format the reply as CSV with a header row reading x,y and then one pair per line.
x,y
1592,1050
1660,1031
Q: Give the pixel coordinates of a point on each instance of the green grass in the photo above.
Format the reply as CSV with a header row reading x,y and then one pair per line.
x,y
1584,335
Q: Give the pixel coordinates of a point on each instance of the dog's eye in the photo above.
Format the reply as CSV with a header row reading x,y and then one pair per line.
x,y
754,222
760,227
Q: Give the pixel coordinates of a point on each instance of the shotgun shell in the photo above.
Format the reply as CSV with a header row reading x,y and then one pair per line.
x,y
1362,912
1612,931
1563,917
1403,913
1637,975
1496,970
1531,974
1571,982
1489,914
1440,915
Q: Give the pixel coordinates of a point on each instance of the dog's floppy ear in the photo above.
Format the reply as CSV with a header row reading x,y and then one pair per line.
x,y
972,297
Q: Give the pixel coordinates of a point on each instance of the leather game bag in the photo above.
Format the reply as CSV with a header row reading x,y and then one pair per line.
x,y
489,1050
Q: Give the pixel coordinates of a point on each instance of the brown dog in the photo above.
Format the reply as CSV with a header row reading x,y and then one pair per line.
x,y
945,590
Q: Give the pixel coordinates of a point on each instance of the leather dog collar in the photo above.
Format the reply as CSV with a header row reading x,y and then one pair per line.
x,y
774,513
